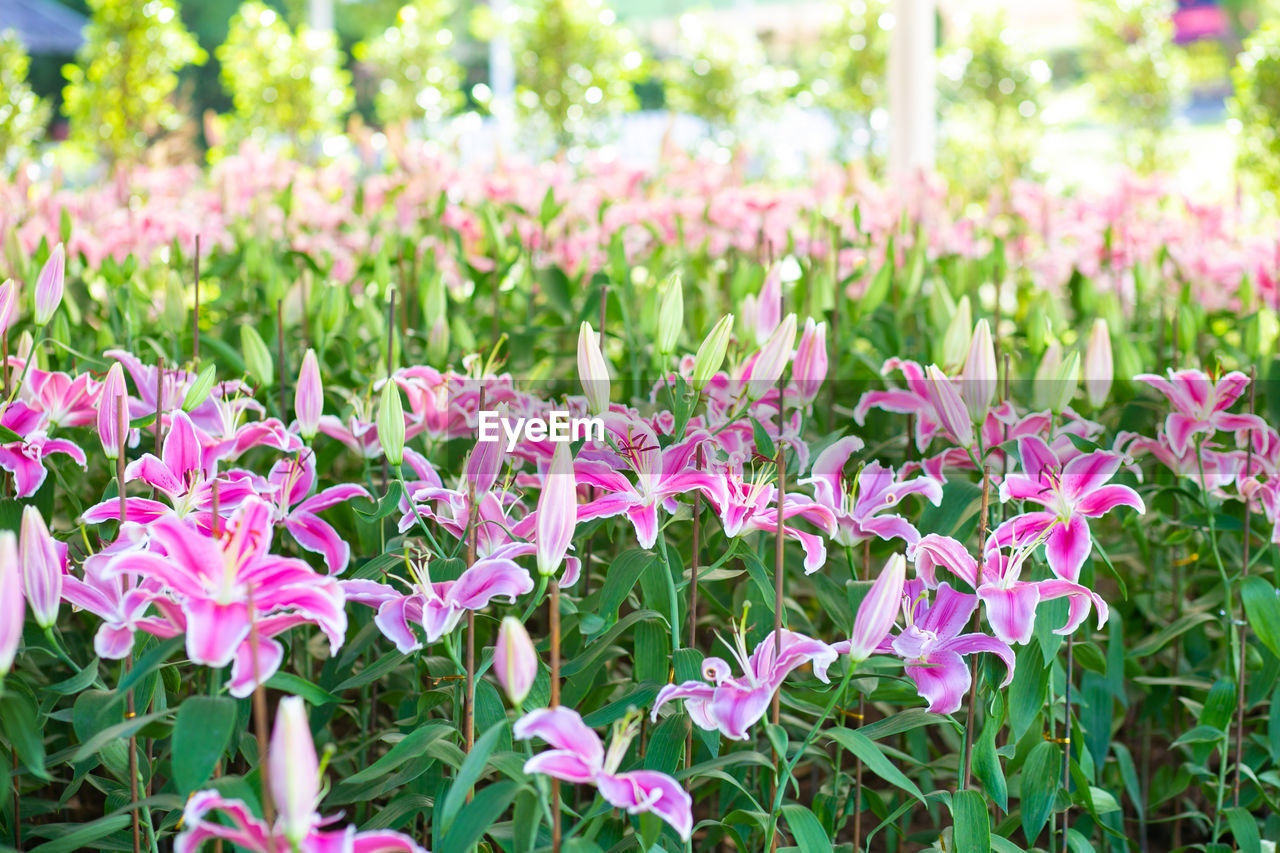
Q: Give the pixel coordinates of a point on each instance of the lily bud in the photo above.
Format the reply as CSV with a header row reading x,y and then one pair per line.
x,y
8,303
485,461
772,359
711,353
110,399
257,358
670,316
950,407
769,304
593,371
1099,368
49,286
557,511
308,396
390,423
438,341
294,770
515,662
1065,385
810,366
12,609
955,344
978,379
42,558
1042,395
878,610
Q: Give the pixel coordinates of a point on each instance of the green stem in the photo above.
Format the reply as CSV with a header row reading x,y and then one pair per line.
x,y
789,767
672,600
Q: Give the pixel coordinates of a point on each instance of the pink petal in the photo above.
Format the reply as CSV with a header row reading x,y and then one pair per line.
x,y
650,791
943,680
564,730
1103,500
214,630
1067,547
1011,612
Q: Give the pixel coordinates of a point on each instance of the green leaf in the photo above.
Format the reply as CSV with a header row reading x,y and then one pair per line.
x,y
1041,776
1161,638
986,765
905,721
1200,734
201,732
119,731
1263,611
809,835
478,815
874,760
412,745
1245,829
287,682
972,830
621,579
20,720
81,837
469,773
1027,693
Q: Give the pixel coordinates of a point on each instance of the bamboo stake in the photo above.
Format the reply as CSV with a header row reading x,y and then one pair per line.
x,y
1244,625
973,666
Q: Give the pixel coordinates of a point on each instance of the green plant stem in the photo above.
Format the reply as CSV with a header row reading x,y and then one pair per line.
x,y
809,738
673,601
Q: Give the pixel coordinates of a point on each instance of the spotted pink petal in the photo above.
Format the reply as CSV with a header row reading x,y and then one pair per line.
x,y
942,680
1067,547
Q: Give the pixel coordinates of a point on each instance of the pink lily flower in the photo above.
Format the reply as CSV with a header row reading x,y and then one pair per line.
x,y
297,508
746,506
184,473
515,661
1070,493
121,604
916,399
877,612
733,704
1010,602
217,586
438,606
308,396
859,503
112,396
49,286
25,457
12,607
44,563
1200,405
809,368
934,647
67,401
578,756
295,788
557,513
173,386
661,475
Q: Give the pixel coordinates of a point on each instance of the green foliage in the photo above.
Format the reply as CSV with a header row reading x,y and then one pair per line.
x,y
575,66
23,115
716,74
1136,72
418,78
992,93
1256,106
848,76
119,94
283,84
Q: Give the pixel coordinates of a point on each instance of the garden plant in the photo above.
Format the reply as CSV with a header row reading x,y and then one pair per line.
x,y
881,522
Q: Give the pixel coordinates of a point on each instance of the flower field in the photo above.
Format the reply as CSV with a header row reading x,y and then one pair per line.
x,y
399,504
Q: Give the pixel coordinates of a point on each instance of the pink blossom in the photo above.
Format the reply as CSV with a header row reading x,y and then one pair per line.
x,y
733,704
437,607
578,756
1200,405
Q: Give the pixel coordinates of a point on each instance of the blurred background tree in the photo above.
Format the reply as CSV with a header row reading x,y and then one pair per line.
x,y
23,114
720,76
284,86
1138,75
119,93
417,74
992,94
1256,106
848,75
575,65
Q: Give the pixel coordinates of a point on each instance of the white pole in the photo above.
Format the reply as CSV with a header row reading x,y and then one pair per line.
x,y
912,88
320,15
502,73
